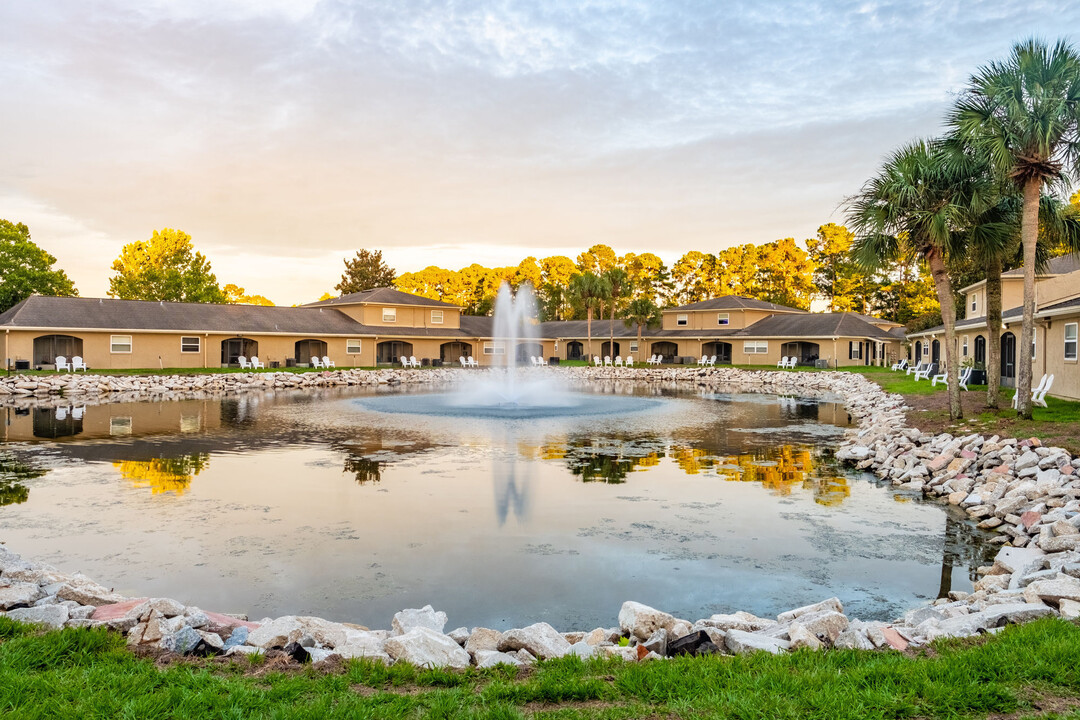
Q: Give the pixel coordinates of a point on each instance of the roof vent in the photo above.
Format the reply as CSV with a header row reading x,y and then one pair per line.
x,y
101,302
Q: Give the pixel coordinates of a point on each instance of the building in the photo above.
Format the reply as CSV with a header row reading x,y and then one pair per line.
x,y
378,327
1057,316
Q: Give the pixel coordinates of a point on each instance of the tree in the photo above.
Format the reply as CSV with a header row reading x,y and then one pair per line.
x,y
642,312
366,271
690,277
837,277
235,295
26,269
918,199
598,260
784,274
590,290
619,286
165,267
649,276
1024,114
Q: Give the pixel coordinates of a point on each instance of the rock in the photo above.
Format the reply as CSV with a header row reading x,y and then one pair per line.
x,y
460,635
184,642
85,591
742,643
239,636
895,640
425,647
697,643
51,616
19,593
318,655
274,633
1069,609
657,642
738,621
628,654
196,618
853,639
540,639
1053,591
167,606
426,617
491,658
582,649
370,644
297,652
641,621
1030,518
213,642
483,639
1014,560
800,637
1060,544
826,625
597,636
243,650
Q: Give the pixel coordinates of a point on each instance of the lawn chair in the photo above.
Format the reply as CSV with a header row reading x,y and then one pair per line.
x,y
464,364
915,368
940,377
1039,398
244,364
618,361
413,361
926,372
596,361
782,362
629,361
902,365
62,363
316,362
327,362
78,364
712,361
471,361
256,363
404,361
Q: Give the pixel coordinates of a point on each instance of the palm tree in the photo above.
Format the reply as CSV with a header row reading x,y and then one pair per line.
x,y
590,290
619,285
641,312
920,198
1024,114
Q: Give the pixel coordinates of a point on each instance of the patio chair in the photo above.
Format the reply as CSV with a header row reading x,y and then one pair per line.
x,y
1039,398
413,361
940,377
926,372
712,361
915,368
462,361
471,362
62,363
256,363
77,412
596,360
902,365
404,362
540,361
782,362
629,361
316,362
607,361
618,361
244,364
327,362
78,364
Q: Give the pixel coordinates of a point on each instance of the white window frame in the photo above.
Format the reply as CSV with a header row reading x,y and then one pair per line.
x,y
353,346
436,317
185,341
974,302
389,314
682,319
115,340
1073,342
964,346
120,425
495,348
1034,345
755,347
633,346
854,350
723,318
925,350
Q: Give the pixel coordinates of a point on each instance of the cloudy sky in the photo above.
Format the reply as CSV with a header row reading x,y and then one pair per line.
x,y
285,134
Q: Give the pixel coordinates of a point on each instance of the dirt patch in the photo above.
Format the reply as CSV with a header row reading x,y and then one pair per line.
x,y
1041,706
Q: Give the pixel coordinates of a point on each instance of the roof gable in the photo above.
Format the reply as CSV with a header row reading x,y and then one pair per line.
x,y
384,296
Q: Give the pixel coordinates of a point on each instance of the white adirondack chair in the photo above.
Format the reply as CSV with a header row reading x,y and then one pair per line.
x,y
902,365
629,361
472,362
244,364
1039,398
712,361
316,362
62,363
327,362
78,364
596,361
77,412
915,368
404,361
607,361
413,361
256,363
618,361
782,362
462,361
924,374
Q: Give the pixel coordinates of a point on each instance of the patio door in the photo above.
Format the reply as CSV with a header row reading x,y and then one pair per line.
x,y
1008,360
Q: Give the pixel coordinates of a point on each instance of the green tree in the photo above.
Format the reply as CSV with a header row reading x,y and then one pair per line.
x,y
589,290
1024,114
643,312
165,267
366,271
619,287
598,260
235,295
785,274
26,269
837,277
918,199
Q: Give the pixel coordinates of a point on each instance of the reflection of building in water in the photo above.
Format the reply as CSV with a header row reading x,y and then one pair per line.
x,y
139,419
163,475
365,469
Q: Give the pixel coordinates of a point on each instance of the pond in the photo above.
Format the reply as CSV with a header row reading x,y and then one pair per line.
x,y
327,503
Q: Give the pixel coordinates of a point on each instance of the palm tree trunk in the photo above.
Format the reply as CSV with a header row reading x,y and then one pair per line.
x,y
611,340
993,341
948,315
1029,236
588,330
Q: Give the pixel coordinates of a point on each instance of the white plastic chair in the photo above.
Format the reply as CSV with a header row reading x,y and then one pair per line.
x,y
413,361
327,362
461,360
316,362
62,363
1039,398
924,374
915,368
596,360
629,362
77,412
782,362
902,365
472,362
256,363
942,377
618,361
244,364
404,361
78,364
540,361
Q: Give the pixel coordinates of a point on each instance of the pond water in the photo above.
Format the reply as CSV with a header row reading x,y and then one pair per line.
x,y
328,504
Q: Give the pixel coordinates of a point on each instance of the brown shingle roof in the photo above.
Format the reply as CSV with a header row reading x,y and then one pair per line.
x,y
385,295
736,302
1061,265
815,325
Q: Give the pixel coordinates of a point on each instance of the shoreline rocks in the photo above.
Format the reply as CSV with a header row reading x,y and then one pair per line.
x,y
1027,495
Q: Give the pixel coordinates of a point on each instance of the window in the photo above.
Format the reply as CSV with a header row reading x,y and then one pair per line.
x,y
633,346
974,303
682,319
352,346
964,348
854,350
756,347
723,318
120,426
926,348
189,344
1033,346
494,348
389,314
1070,341
436,317
120,343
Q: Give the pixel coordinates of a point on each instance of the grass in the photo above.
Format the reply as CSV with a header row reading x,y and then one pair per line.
x,y
82,673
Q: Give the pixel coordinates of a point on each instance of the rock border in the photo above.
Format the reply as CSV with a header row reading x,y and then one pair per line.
x,y
1028,494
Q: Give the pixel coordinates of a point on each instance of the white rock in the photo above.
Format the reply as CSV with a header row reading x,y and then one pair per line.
x,y
540,639
582,649
51,616
425,647
641,621
369,644
426,617
19,593
800,637
832,604
491,658
742,643
167,606
483,639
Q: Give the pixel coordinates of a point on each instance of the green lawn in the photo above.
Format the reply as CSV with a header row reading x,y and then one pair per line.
x,y
89,674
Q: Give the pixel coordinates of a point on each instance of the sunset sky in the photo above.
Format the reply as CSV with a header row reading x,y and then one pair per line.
x,y
285,134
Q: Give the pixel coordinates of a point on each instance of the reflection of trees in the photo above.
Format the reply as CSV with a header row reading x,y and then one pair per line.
x,y
12,470
964,545
162,475
608,462
364,469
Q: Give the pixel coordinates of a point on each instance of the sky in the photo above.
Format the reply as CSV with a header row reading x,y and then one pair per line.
x,y
283,135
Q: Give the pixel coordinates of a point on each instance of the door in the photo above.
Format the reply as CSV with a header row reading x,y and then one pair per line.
x,y
1008,360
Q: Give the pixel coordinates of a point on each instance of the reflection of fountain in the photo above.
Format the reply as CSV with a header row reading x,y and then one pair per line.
x,y
511,481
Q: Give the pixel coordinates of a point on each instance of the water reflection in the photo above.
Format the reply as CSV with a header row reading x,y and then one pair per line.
x,y
12,472
365,470
163,475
